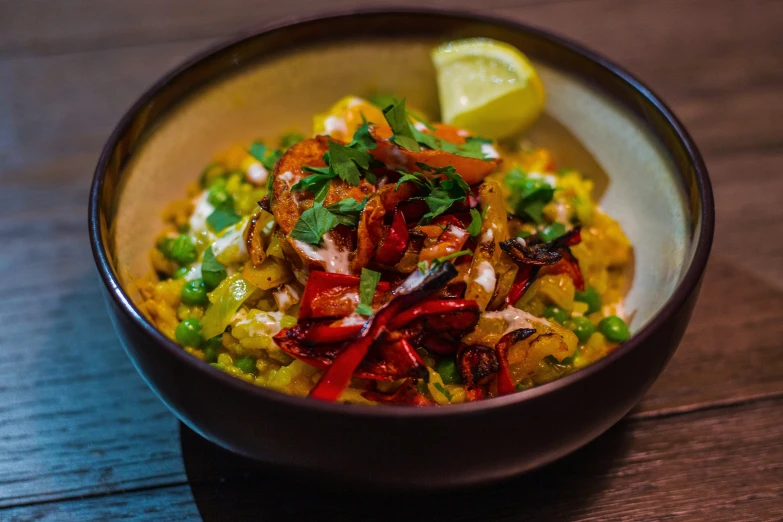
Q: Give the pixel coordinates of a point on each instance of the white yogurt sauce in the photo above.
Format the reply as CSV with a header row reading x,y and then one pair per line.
x,y
353,320
333,123
335,260
203,208
289,178
549,179
257,174
419,126
286,297
231,245
265,323
486,276
521,241
488,236
516,319
489,151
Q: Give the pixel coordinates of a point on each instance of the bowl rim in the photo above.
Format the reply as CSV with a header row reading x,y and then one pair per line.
x,y
687,284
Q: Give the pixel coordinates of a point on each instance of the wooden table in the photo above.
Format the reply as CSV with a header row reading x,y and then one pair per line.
x,y
82,437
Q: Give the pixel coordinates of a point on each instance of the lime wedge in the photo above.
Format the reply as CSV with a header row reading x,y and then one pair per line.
x,y
487,87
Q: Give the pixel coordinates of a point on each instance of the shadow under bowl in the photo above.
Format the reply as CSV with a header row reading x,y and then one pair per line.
x,y
598,119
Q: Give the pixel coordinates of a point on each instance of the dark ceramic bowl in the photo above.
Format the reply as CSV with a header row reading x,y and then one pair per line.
x,y
598,118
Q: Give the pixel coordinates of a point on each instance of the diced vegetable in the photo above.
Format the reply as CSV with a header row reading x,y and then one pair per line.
x,y
270,274
226,300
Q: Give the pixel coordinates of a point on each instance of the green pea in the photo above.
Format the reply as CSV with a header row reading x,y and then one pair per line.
x,y
219,197
449,373
180,272
194,293
553,231
246,364
183,250
212,278
556,314
591,297
614,329
188,332
165,245
212,347
582,327
214,171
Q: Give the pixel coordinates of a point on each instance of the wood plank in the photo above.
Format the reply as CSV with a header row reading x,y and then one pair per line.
x,y
80,25
689,467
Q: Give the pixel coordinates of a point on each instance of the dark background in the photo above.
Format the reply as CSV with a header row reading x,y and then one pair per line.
x,y
82,437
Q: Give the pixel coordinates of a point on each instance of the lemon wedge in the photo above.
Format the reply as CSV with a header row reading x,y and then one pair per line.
x,y
487,87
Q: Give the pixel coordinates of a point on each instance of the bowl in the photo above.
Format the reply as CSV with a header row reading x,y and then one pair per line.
x,y
598,118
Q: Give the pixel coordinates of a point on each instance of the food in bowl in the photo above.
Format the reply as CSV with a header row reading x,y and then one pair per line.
x,y
393,260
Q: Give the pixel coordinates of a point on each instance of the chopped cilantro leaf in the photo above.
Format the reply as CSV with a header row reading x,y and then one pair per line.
x,y
476,221
212,270
345,162
472,148
397,117
367,284
362,139
416,177
222,218
423,266
267,157
347,211
290,139
313,224
382,100
451,256
529,196
317,183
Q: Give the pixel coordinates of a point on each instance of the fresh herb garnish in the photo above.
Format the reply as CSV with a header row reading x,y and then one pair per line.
x,y
362,139
367,284
447,191
451,256
212,270
222,218
290,139
528,196
347,211
346,161
416,177
317,183
397,118
438,386
267,157
382,100
313,224
476,220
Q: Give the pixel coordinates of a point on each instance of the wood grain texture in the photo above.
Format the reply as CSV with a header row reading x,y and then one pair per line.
x,y
678,468
75,418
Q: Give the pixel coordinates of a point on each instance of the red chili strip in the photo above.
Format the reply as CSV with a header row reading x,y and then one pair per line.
x,y
395,243
332,295
505,384
440,306
524,278
338,376
438,344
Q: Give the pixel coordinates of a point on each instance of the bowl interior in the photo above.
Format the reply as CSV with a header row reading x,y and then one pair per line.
x,y
266,86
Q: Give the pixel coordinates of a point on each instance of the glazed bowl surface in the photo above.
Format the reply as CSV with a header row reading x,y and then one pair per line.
x,y
598,119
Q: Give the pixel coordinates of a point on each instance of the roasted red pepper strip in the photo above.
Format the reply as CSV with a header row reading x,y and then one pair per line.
x,y
524,278
395,243
332,295
505,384
385,361
327,334
438,344
477,364
439,307
406,394
338,376
567,265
